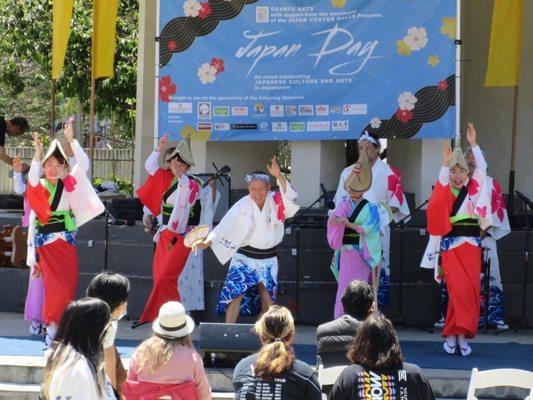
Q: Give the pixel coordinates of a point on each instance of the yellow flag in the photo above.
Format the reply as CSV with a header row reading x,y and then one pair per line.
x,y
61,18
504,53
103,45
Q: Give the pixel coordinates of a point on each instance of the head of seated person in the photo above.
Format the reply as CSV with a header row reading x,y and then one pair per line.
x,y
358,300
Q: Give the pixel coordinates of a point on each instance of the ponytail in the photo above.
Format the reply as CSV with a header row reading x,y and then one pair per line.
x,y
276,329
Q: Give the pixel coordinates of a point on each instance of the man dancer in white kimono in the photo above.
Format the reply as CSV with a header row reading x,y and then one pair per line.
x,y
248,235
386,191
500,227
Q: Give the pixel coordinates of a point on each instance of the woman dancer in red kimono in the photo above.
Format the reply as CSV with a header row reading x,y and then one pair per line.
x,y
169,194
459,208
60,204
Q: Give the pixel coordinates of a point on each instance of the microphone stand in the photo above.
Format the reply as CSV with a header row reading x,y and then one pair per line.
x,y
402,224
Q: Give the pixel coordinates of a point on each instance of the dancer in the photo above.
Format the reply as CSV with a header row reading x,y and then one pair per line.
x,y
171,193
387,192
60,204
458,209
191,281
248,235
354,230
500,227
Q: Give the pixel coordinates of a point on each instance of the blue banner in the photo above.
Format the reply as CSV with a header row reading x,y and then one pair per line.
x,y
306,70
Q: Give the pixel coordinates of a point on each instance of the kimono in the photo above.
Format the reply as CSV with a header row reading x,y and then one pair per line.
x,y
455,218
359,250
191,281
171,200
500,227
57,212
386,191
249,237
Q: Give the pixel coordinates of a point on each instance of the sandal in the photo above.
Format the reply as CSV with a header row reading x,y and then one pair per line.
x,y
451,350
466,351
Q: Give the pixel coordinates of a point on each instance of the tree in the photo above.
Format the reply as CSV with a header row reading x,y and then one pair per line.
x,y
25,61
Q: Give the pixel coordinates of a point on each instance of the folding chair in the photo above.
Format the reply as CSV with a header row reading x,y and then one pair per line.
x,y
500,377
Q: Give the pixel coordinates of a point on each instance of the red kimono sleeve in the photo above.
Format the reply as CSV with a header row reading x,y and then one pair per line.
x,y
152,191
38,199
439,210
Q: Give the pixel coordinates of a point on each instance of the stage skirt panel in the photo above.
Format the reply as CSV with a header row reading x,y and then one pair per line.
x,y
461,266
352,266
169,261
244,275
58,262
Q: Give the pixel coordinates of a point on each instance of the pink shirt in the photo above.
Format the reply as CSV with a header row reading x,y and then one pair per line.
x,y
184,365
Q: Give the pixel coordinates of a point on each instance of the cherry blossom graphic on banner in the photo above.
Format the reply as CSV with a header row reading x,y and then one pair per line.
x,y
239,70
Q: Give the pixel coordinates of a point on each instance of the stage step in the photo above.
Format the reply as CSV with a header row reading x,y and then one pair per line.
x,y
21,377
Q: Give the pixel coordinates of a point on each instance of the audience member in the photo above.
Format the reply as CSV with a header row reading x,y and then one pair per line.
x,y
334,337
274,372
379,370
12,127
167,364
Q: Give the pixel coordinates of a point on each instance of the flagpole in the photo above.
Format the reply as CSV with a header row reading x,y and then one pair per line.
x,y
458,44
510,205
91,125
53,112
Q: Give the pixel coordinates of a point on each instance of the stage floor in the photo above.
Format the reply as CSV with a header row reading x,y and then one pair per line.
x,y
506,350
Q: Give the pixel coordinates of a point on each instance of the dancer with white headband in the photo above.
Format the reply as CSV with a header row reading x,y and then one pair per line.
x,y
386,190
248,235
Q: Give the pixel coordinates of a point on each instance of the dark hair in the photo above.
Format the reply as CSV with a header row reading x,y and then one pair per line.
x,y
358,299
169,152
58,156
375,136
81,328
110,287
21,123
276,329
375,345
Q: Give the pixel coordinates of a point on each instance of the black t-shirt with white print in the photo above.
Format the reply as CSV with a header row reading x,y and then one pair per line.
x,y
357,383
297,383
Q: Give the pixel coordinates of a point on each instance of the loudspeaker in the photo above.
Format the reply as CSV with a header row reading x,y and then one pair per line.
x,y
224,345
130,209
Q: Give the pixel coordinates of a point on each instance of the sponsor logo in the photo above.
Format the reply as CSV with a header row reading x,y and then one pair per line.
x,y
221,111
221,126
239,111
297,126
243,126
322,109
335,109
339,126
259,108
204,126
318,126
290,111
305,109
180,108
354,109
262,15
279,126
263,126
276,110
204,110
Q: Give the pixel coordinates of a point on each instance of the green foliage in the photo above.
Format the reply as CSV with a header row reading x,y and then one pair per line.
x,y
124,185
25,64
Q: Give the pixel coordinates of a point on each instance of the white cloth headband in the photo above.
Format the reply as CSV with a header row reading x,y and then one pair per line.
x,y
366,136
257,177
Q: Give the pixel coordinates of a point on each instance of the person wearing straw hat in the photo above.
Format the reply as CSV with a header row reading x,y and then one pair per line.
x,y
248,235
166,364
387,192
60,202
354,229
169,194
459,208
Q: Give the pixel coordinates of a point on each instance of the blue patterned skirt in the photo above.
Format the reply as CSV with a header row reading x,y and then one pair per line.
x,y
244,275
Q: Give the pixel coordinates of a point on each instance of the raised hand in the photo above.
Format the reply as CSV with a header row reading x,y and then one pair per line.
x,y
69,130
471,134
37,145
274,168
163,143
17,164
447,154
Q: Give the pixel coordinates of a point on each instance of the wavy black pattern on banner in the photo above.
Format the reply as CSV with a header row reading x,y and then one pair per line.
x,y
432,103
183,30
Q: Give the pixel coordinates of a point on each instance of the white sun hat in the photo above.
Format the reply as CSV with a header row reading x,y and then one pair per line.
x,y
172,321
